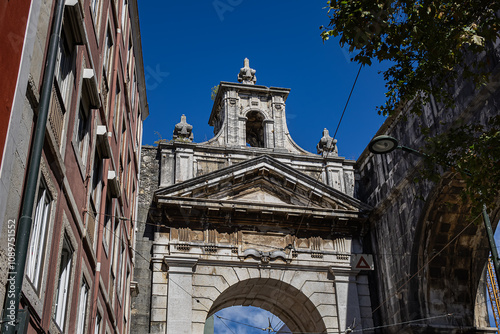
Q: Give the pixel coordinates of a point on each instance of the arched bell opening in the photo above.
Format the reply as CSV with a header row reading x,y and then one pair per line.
x,y
255,129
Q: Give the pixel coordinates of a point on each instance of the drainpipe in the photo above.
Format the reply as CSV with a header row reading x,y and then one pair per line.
x,y
16,274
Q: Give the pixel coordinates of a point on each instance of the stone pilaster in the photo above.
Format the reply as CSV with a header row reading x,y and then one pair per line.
x,y
180,290
269,133
347,300
279,126
231,106
167,173
183,164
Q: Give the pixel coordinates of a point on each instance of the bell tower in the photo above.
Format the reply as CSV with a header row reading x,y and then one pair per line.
x,y
245,114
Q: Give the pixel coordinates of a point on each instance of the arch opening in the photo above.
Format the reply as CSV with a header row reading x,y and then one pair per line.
x,y
452,248
279,298
246,319
255,129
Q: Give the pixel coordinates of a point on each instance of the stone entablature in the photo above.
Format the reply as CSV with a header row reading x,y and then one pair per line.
x,y
257,247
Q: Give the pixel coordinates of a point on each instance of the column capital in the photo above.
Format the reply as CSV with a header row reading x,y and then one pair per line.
x,y
181,265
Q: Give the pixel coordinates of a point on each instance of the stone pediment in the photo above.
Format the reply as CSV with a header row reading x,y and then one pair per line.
x,y
262,188
262,181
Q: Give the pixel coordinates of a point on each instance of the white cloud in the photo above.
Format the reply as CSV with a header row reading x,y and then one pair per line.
x,y
244,320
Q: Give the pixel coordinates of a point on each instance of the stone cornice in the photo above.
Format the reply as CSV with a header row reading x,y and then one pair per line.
x,y
277,167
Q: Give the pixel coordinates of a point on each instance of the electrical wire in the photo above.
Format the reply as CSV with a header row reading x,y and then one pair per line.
x,y
226,325
347,102
240,323
402,323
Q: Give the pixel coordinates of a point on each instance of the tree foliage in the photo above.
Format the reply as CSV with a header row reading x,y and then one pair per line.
x,y
473,151
424,41
215,89
429,46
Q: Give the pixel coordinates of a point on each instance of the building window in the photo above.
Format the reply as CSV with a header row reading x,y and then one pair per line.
x,y
134,90
64,69
95,8
130,54
62,88
108,50
106,233
83,131
119,278
116,243
82,308
37,241
97,326
63,284
116,111
95,198
124,11
123,140
127,295
129,176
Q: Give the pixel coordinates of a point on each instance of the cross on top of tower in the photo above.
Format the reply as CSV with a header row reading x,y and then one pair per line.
x,y
247,74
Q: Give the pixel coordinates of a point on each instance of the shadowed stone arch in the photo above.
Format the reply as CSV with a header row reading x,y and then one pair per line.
x,y
282,299
449,256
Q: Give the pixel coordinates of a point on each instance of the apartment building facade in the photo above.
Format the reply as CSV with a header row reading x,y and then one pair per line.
x,y
80,256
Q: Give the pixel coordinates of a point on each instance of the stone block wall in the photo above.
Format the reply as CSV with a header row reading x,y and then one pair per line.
x,y
141,304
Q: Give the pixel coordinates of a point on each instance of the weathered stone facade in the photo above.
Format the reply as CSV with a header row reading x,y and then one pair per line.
x,y
250,218
429,254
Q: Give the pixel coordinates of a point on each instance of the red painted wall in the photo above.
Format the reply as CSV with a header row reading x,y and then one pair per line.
x,y
13,19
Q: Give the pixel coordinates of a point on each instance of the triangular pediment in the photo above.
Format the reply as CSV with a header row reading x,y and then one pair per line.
x,y
258,195
264,183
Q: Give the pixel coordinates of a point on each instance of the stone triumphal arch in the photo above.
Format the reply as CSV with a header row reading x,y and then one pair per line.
x,y
250,218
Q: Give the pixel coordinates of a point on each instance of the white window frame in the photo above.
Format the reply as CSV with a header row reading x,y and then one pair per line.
x,y
117,106
82,307
107,57
124,11
63,285
64,71
97,325
83,124
121,268
95,9
96,193
39,228
108,223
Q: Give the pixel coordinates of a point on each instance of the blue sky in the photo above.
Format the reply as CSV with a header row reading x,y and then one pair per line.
x,y
190,46
245,320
